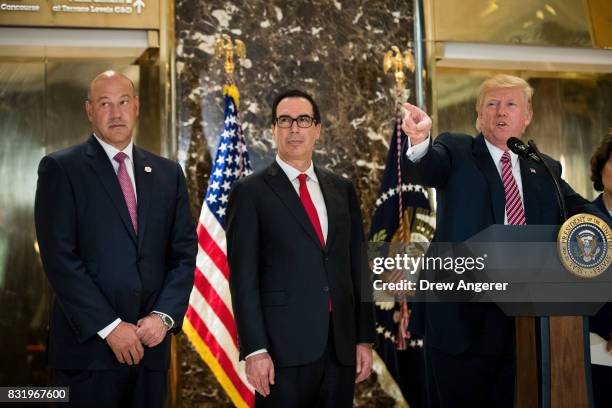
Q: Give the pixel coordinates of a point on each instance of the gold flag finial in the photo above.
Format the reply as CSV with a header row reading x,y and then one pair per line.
x,y
398,61
226,48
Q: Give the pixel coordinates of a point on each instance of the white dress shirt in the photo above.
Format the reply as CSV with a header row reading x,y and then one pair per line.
x,y
314,189
418,151
111,151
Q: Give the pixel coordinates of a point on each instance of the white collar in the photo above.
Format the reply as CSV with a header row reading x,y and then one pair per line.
x,y
292,173
111,150
496,153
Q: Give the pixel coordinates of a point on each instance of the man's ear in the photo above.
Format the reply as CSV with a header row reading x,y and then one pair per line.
x,y
89,109
528,118
318,126
137,103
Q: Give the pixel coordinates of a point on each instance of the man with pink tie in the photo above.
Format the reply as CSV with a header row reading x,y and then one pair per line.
x,y
118,244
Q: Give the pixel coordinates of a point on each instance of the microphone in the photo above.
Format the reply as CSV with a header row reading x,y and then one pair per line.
x,y
520,148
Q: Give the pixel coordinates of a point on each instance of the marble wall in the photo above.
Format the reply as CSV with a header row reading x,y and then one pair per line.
x,y
331,49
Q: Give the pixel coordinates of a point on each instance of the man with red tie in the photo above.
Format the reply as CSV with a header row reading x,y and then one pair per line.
x,y
297,262
118,244
470,347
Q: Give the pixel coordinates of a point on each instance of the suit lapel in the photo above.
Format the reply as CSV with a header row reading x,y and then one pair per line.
x,y
485,163
282,187
108,178
144,181
531,189
332,203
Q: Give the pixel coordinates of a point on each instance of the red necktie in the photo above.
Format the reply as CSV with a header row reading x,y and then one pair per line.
x,y
310,208
127,188
314,217
514,204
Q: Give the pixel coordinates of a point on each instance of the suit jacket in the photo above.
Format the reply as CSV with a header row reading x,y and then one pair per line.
x,y
280,277
470,198
98,267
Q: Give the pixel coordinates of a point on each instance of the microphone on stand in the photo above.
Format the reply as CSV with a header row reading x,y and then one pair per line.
x,y
523,150
531,153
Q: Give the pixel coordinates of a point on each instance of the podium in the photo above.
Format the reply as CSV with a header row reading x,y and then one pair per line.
x,y
553,363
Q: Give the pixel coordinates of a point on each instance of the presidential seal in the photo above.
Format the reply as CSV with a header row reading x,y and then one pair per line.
x,y
584,245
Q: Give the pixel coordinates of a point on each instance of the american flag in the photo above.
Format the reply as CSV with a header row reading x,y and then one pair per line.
x,y
209,322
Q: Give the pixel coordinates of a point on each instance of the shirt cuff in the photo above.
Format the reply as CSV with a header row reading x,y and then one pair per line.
x,y
260,351
106,331
418,151
168,316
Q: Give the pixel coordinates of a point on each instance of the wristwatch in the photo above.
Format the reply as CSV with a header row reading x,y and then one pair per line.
x,y
166,320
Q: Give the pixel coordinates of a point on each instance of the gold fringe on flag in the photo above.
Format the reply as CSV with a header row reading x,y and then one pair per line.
x,y
232,90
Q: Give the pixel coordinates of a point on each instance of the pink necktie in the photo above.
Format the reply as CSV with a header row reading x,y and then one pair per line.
x,y
126,187
514,204
310,208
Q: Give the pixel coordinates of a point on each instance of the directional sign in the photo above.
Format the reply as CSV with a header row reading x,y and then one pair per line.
x,y
143,14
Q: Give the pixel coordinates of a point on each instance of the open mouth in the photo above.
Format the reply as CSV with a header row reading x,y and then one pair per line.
x,y
501,124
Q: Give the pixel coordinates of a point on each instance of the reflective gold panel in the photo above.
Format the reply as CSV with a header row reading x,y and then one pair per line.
x,y
601,20
537,22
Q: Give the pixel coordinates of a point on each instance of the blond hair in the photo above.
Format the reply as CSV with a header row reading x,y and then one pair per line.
x,y
502,81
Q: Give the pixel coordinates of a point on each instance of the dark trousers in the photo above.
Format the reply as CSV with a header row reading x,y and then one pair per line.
x,y
128,387
324,383
469,380
602,381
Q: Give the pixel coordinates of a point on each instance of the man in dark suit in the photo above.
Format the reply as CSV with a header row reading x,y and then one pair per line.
x,y
118,244
470,347
297,258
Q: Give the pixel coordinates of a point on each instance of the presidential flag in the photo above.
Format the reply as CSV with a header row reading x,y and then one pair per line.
x,y
209,322
402,214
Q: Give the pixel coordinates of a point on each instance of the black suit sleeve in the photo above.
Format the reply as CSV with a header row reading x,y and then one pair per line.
x,y
84,305
243,231
181,257
362,289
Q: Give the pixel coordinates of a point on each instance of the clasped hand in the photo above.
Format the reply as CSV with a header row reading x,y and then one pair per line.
x,y
127,340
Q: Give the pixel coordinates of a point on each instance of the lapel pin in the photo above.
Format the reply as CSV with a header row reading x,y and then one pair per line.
x,y
148,169
531,169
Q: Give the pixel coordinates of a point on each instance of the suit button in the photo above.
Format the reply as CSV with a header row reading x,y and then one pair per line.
x,y
327,258
325,288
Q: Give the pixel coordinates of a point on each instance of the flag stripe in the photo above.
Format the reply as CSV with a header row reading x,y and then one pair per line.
x,y
215,230
212,249
218,371
218,305
215,278
209,318
219,354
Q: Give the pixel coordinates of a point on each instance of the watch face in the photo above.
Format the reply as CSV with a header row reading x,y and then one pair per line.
x,y
165,320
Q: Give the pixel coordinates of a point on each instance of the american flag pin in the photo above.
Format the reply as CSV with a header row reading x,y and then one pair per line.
x,y
531,169
148,169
